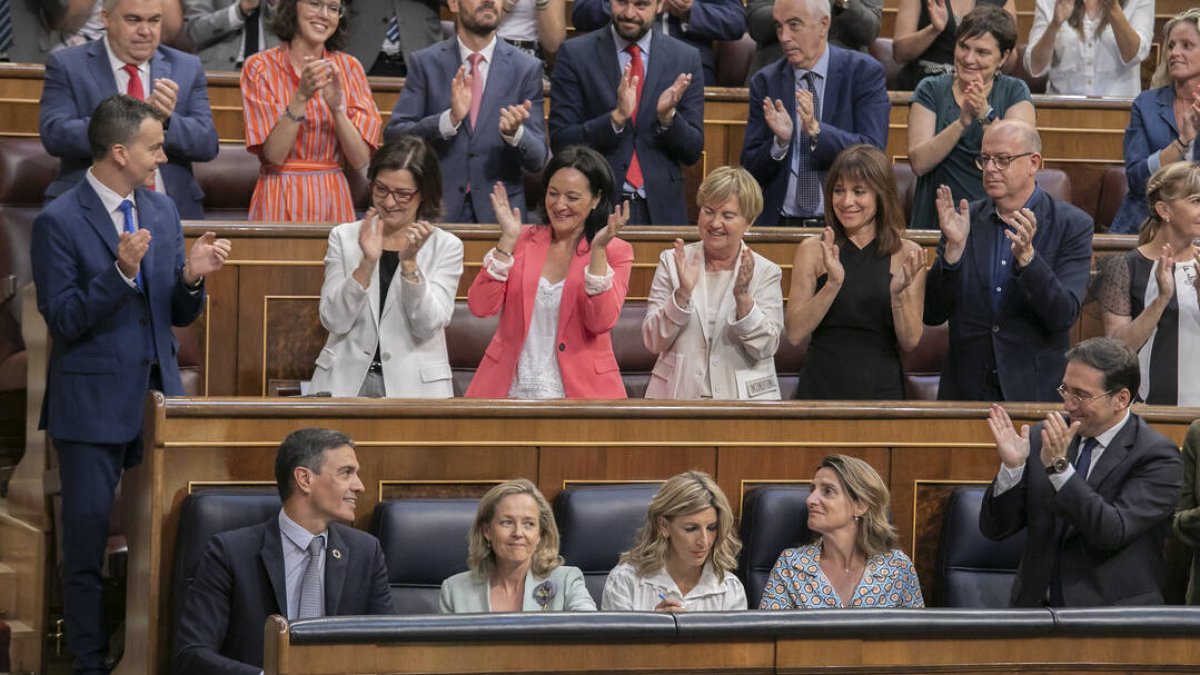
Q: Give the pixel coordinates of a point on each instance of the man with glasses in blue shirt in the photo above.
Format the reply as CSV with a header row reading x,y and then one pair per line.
x,y
1009,276
1094,490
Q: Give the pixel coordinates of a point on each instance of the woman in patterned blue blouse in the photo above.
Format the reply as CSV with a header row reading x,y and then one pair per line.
x,y
853,562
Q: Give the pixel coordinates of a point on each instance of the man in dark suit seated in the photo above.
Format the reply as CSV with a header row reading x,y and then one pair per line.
x,y
806,108
108,261
1095,491
479,142
1009,276
129,60
303,563
637,97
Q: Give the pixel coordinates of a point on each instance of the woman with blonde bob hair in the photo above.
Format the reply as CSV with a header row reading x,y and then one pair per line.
x,y
715,310
684,556
854,561
1149,298
512,559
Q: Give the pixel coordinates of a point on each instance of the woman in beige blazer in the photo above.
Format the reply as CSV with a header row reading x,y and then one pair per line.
x,y
389,288
715,310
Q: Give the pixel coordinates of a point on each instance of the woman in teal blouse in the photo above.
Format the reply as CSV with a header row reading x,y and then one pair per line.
x,y
513,559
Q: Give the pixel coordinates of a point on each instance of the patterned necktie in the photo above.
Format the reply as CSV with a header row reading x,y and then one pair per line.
x,y
808,178
310,584
250,34
393,30
1084,461
134,88
476,86
636,69
126,208
6,36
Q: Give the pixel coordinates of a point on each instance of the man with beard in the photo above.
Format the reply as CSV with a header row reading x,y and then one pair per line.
x,y
478,101
636,96
1009,276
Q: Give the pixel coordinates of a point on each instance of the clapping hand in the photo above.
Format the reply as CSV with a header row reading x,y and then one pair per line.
x,y
688,269
333,93
1056,438
1164,273
460,96
911,267
626,98
508,217
974,103
830,255
616,220
1062,11
414,238
745,273
939,15
804,108
164,96
778,119
315,76
1022,226
955,225
513,116
131,248
207,255
1013,447
370,236
665,109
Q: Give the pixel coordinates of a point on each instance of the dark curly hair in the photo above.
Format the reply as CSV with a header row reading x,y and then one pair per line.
x,y
600,180
284,24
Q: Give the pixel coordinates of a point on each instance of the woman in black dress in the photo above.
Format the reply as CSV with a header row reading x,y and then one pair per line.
x,y
858,290
1149,298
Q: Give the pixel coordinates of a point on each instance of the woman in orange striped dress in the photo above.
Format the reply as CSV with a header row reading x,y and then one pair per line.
x,y
308,110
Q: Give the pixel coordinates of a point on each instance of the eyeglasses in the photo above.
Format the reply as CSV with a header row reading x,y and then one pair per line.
x,y
382,192
1001,161
1071,397
318,7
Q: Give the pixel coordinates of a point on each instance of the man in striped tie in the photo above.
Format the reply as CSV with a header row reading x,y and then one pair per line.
x,y
224,33
1094,490
26,25
308,555
385,33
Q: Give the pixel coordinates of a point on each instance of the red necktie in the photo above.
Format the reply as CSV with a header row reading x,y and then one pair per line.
x,y
135,88
476,86
634,175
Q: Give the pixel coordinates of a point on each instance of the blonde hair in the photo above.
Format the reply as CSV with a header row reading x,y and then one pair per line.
x,y
683,495
1177,180
481,560
732,181
862,484
1162,77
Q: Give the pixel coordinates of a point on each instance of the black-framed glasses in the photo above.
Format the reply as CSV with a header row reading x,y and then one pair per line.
x,y
1001,161
1069,396
401,196
318,7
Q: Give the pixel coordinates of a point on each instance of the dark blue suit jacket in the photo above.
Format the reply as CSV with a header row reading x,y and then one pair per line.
x,y
79,78
477,157
584,84
1111,526
708,20
855,110
1151,128
1029,335
240,582
104,332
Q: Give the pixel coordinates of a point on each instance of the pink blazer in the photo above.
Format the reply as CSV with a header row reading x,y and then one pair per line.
x,y
585,323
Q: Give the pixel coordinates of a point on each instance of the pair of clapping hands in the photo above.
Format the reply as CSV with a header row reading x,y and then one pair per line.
x,y
206,256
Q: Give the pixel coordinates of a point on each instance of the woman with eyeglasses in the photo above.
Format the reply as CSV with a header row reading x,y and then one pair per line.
x,y
1165,120
389,288
308,111
949,112
1149,298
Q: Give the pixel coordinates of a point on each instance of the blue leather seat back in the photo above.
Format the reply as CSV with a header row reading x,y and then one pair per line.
x,y
598,523
425,542
207,513
976,571
774,517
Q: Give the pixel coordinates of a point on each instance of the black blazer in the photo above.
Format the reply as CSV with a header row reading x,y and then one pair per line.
x,y
1111,526
239,583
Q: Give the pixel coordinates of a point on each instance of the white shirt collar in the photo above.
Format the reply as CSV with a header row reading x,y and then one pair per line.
x,y
709,584
465,51
643,43
296,533
1105,438
108,197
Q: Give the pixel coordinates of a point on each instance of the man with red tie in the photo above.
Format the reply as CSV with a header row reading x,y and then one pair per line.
x,y
637,96
129,60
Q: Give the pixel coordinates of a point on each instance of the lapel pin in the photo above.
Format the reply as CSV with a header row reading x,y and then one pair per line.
x,y
337,554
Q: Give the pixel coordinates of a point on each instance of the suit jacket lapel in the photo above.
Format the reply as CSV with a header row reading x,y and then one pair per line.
x,y
700,294
656,80
531,270
489,109
832,84
1166,107
159,68
726,308
450,60
100,67
337,558
980,247
97,216
272,560
572,292
610,66
147,215
1115,453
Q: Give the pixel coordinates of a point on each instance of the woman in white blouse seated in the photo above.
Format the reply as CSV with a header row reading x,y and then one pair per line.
x,y
558,288
683,557
513,561
1090,47
715,310
537,27
389,285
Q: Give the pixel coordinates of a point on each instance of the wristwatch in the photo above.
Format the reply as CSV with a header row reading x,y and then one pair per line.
x,y
988,117
1059,465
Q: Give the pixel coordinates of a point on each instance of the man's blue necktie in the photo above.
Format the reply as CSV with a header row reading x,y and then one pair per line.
x,y
127,209
1084,461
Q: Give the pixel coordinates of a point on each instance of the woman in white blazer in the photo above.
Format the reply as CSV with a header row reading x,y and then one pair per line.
x,y
512,558
715,311
389,288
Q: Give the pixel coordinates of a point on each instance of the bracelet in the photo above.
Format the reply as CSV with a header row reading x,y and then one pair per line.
x,y
414,276
1182,146
287,112
500,250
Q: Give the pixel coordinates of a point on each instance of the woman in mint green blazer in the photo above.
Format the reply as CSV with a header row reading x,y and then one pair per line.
x,y
513,559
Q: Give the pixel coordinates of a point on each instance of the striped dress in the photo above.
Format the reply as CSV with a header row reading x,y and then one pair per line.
x,y
310,185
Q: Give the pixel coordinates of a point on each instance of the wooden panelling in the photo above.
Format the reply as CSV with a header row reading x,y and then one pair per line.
x,y
456,445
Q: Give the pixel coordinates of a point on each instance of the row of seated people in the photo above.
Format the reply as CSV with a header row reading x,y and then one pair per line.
x,y
669,547
309,111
